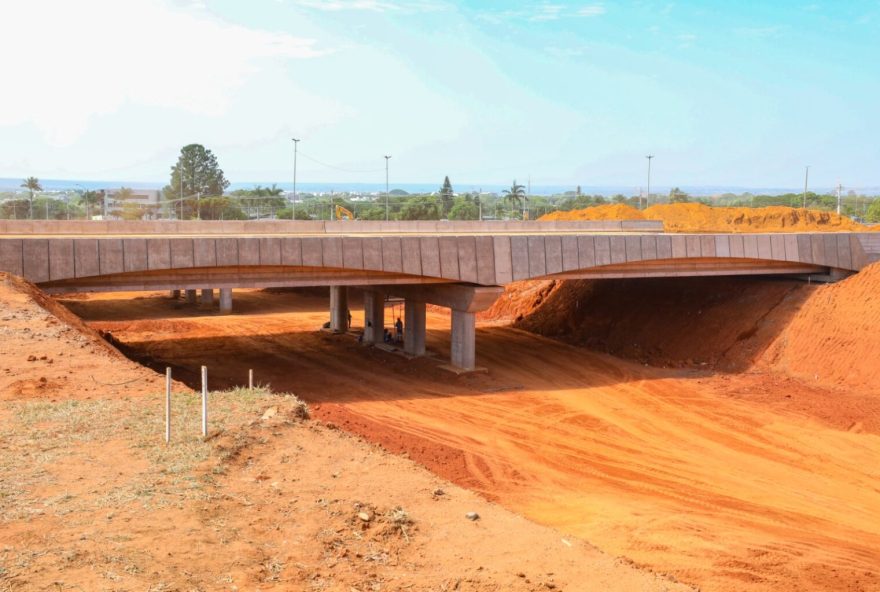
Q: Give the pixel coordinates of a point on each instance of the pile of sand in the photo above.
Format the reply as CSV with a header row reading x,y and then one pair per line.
x,y
695,217
832,338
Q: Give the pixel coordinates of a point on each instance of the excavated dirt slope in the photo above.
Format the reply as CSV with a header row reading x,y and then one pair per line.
x,y
735,482
695,217
92,499
822,335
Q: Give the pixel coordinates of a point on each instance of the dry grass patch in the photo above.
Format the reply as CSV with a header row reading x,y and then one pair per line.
x,y
122,444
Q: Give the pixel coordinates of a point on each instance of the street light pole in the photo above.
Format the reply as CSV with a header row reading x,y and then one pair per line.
x,y
806,178
648,197
839,187
295,150
387,158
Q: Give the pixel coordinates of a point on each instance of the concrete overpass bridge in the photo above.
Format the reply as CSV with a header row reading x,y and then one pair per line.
x,y
459,265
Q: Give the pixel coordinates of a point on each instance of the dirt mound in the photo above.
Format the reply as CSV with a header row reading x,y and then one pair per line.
x,y
832,339
46,351
606,212
696,217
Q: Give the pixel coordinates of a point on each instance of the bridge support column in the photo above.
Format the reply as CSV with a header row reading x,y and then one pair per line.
x,y
374,316
225,300
175,294
414,328
463,348
190,296
339,308
207,297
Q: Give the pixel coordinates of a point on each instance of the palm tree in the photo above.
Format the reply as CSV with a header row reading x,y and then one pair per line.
x,y
516,195
32,184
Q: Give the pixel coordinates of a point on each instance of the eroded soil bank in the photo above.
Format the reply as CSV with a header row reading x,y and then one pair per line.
x,y
748,480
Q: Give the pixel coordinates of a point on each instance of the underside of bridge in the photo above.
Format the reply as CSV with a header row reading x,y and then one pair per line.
x,y
463,299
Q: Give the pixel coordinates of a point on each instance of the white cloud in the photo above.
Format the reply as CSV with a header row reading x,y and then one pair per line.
x,y
345,5
592,10
543,13
548,12
398,6
93,57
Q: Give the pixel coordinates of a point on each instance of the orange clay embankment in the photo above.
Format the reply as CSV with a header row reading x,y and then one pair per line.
x,y
821,335
695,217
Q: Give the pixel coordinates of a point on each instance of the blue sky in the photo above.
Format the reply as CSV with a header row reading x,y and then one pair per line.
x,y
723,93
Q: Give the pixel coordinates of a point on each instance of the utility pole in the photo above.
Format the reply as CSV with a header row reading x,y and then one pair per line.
x,y
295,149
806,178
180,183
648,197
387,158
839,187
526,200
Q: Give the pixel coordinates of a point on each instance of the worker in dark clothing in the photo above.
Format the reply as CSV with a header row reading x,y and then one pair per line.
x,y
349,320
399,326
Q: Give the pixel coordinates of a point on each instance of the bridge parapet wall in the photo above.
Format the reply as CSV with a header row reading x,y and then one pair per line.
x,y
476,259
308,227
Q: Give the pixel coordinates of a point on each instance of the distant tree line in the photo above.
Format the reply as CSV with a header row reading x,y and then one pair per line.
x,y
197,190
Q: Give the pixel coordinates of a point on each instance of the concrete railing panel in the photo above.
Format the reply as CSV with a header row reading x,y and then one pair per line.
x,y
472,258
411,254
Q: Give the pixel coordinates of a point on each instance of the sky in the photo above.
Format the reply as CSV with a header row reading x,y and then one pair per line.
x,y
722,93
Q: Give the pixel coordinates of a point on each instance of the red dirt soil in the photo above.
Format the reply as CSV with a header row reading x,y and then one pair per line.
x,y
823,335
751,481
90,500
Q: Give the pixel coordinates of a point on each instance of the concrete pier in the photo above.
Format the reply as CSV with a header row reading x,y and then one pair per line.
x,y
414,328
226,300
463,348
191,296
374,316
339,308
207,297
175,294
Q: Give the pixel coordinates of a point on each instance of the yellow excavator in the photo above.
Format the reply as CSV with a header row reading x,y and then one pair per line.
x,y
343,213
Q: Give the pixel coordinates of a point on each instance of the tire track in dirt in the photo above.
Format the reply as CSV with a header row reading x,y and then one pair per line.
x,y
665,467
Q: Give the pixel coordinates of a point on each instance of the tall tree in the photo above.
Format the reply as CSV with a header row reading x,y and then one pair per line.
x,y
676,195
515,196
447,197
32,184
92,198
197,174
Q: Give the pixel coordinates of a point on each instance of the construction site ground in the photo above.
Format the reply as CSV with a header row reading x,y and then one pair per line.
x,y
728,477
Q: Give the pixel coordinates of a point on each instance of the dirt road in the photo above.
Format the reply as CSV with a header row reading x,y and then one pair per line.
x,y
732,482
